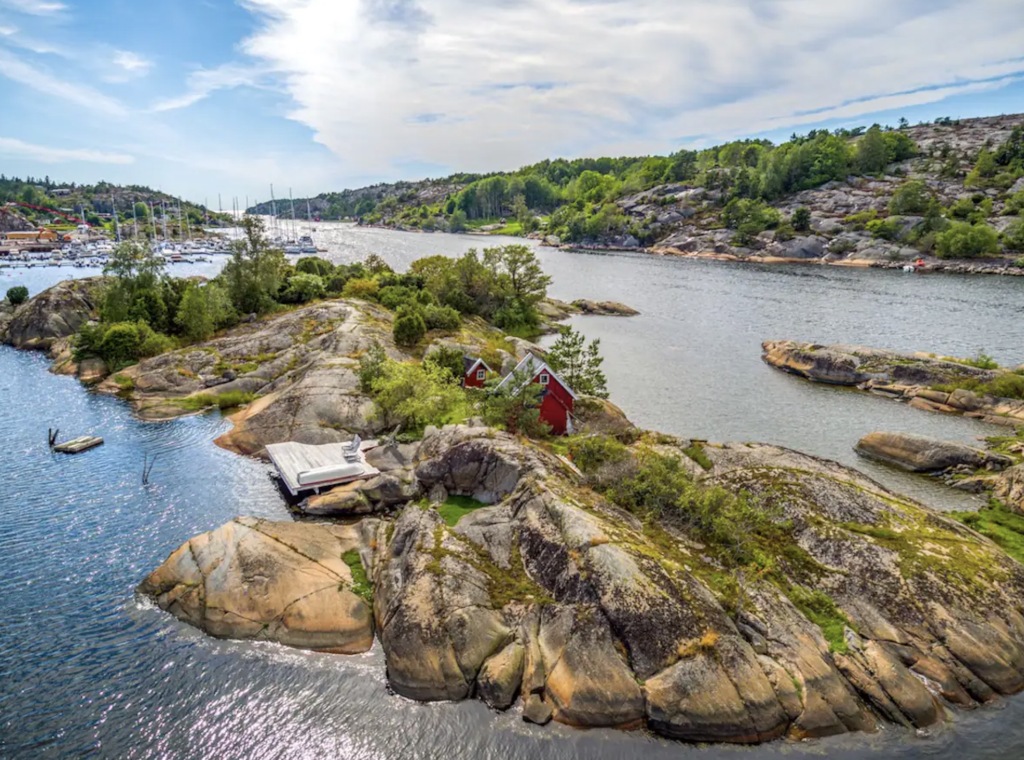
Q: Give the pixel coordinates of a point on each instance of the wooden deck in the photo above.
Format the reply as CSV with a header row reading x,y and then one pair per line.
x,y
291,459
77,445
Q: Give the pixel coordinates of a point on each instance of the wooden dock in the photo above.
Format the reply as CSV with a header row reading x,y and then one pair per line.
x,y
78,445
303,466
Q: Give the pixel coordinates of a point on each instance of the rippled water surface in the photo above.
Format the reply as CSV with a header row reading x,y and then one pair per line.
x,y
87,671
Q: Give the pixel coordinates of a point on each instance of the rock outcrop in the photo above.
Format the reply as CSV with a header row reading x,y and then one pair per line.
x,y
877,609
54,314
271,581
1009,488
904,376
918,453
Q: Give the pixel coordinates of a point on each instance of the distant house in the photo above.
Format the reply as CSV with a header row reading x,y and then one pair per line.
x,y
60,192
558,400
474,372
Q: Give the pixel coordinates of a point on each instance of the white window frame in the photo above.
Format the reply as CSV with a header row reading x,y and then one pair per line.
x,y
544,379
481,374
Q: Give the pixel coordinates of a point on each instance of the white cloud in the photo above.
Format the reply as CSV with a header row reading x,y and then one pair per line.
x,y
204,82
34,77
47,154
34,7
132,63
7,31
480,86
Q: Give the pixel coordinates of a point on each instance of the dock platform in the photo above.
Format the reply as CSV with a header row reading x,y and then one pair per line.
x,y
78,445
307,467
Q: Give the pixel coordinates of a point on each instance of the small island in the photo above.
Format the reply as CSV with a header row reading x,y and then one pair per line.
x,y
614,577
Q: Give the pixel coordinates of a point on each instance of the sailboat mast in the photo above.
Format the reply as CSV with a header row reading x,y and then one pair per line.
x,y
188,226
113,213
292,201
273,207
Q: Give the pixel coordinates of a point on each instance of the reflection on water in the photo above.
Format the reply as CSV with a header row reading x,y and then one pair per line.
x,y
87,671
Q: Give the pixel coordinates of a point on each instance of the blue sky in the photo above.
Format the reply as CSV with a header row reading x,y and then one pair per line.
x,y
200,97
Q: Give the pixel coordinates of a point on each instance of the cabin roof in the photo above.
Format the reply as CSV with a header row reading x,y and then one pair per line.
x,y
470,363
534,365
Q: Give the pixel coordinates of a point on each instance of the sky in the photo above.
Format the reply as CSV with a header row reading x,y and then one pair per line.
x,y
200,97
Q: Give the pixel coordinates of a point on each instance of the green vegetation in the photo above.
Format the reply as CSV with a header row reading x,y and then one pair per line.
x,y
967,241
361,585
801,220
1007,385
696,453
578,363
820,609
911,198
515,405
228,400
124,382
411,394
999,523
456,507
17,295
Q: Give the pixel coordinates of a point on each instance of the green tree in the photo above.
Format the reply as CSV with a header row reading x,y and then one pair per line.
x,y
515,405
203,309
802,219
255,271
911,198
578,363
409,327
416,395
1013,237
17,295
449,359
303,288
457,221
517,269
963,240
872,153
134,264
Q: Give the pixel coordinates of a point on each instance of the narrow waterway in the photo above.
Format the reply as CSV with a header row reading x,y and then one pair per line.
x,y
88,671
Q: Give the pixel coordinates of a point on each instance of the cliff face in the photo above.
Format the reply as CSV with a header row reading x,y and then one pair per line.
x,y
880,610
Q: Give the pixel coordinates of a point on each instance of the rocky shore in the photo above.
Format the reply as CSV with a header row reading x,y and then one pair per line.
x,y
558,598
925,381
865,609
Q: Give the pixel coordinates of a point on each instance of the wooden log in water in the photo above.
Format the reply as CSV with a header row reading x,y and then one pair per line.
x,y
78,445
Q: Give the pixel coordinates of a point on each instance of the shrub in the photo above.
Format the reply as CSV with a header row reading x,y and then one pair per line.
x,y
121,345
303,288
17,295
409,328
416,395
449,359
1013,237
591,453
1005,386
886,229
801,219
861,218
911,198
155,344
363,289
967,241
371,366
314,265
441,318
231,399
393,296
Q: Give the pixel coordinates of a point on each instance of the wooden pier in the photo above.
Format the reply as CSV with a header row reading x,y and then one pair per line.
x,y
78,445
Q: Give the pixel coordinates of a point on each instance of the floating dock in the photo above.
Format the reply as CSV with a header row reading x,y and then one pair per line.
x,y
78,445
305,467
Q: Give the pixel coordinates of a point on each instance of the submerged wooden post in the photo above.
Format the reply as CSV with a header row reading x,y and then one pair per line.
x,y
51,436
147,469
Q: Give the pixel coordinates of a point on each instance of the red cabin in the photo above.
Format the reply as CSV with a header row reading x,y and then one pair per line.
x,y
474,372
557,400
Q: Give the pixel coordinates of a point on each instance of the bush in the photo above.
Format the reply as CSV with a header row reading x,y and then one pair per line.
x,y
416,395
393,296
409,327
1005,386
441,318
363,289
1013,238
967,241
910,198
886,229
801,219
121,345
303,288
591,453
371,366
314,265
450,359
155,344
17,295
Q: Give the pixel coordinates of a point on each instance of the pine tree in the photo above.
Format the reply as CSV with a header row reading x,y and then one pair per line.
x,y
578,363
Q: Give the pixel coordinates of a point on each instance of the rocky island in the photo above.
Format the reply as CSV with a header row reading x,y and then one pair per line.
x,y
734,592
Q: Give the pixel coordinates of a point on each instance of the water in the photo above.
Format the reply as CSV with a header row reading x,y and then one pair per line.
x,y
88,671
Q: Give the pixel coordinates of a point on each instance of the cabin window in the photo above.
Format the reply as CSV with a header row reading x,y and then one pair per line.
x,y
481,374
545,378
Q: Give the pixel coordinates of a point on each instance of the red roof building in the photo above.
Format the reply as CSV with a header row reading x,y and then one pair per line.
x,y
557,399
475,372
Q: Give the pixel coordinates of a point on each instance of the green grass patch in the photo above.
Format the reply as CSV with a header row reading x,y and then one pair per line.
x,y
820,609
997,522
124,382
457,507
696,453
361,585
228,400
